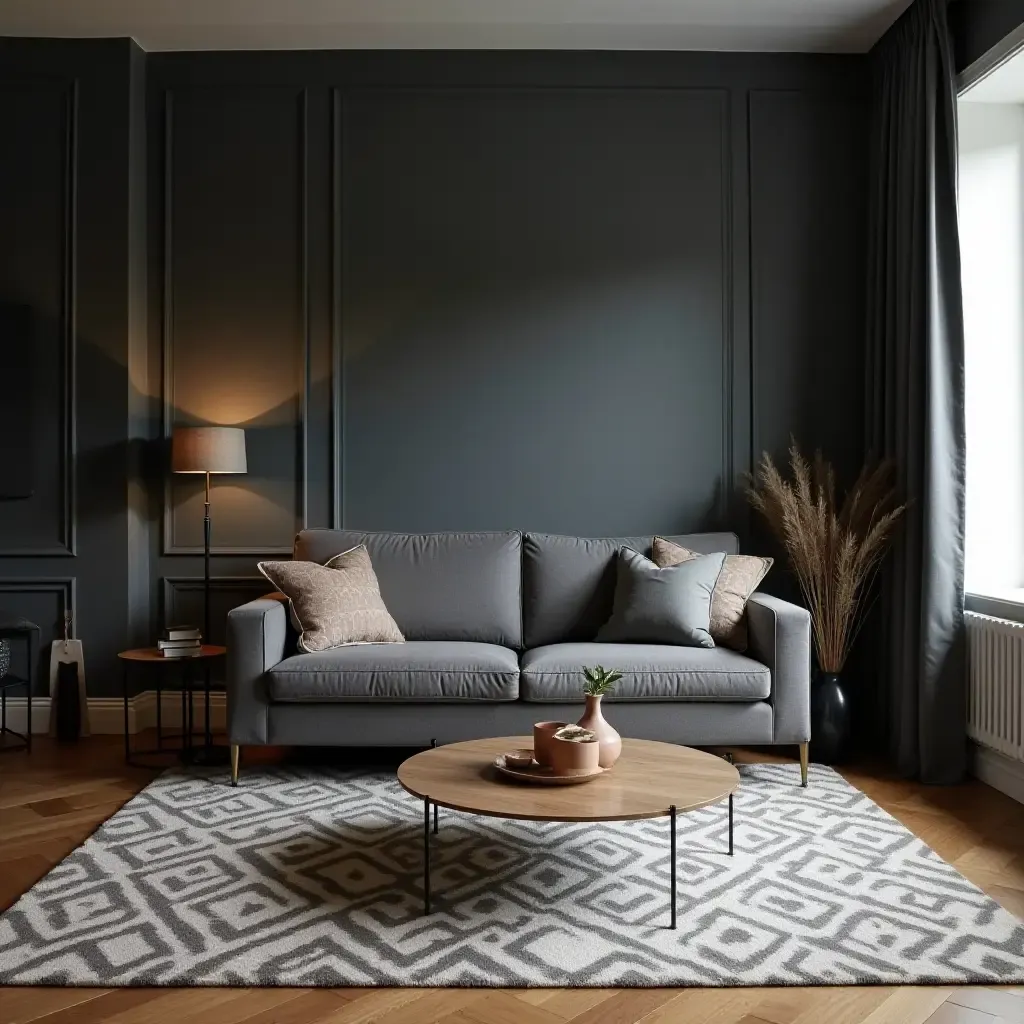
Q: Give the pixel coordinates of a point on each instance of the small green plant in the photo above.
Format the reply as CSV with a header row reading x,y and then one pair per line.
x,y
599,680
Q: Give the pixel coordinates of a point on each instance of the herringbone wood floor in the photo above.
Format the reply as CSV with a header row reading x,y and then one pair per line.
x,y
51,801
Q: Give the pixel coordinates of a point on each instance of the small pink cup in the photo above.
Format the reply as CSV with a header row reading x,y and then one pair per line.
x,y
570,758
542,735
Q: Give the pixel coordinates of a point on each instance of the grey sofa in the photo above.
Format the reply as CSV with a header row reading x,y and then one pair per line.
x,y
498,627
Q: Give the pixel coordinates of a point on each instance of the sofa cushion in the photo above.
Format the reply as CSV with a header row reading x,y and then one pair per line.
x,y
662,606
649,672
334,604
418,670
738,579
569,582
439,586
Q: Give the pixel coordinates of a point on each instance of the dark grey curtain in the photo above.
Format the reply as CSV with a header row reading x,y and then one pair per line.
x,y
915,389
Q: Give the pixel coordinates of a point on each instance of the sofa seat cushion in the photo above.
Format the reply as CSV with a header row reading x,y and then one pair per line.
x,y
418,670
649,672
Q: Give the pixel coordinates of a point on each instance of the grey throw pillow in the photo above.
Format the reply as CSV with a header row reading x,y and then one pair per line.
x,y
662,606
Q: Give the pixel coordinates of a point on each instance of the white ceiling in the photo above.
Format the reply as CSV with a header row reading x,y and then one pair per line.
x,y
779,25
1004,85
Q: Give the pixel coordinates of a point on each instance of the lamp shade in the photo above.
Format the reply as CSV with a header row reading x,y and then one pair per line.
x,y
208,450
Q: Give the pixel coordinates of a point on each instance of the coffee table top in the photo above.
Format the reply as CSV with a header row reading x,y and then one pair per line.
x,y
647,780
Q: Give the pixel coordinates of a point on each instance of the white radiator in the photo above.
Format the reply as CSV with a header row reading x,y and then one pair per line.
x,y
995,708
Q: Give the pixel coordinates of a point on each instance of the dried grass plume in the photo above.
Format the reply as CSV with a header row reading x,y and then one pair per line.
x,y
834,550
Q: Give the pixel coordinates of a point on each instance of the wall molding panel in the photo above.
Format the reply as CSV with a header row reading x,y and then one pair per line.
x,y
70,329
65,589
304,292
707,107
337,351
170,544
225,592
65,586
728,334
806,273
65,544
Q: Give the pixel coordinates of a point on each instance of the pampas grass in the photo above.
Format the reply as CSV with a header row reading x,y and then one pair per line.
x,y
834,550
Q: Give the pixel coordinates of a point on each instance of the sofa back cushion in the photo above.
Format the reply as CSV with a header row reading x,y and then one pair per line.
x,y
439,586
569,582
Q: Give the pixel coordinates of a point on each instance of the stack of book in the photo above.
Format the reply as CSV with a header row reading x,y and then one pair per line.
x,y
180,642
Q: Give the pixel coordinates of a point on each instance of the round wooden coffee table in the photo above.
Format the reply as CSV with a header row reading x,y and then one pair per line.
x,y
650,780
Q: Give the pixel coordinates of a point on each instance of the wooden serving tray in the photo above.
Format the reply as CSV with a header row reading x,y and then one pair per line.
x,y
538,775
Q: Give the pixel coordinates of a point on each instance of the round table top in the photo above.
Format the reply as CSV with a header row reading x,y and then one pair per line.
x,y
154,654
647,780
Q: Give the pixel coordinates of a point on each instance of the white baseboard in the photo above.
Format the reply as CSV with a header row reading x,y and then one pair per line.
x,y
106,714
998,771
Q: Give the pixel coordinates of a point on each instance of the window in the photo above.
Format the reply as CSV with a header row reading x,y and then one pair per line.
x,y
991,204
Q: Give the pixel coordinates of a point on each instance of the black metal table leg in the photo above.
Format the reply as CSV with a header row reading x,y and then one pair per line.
x,y
188,681
730,824
433,744
426,855
159,712
185,743
208,735
672,859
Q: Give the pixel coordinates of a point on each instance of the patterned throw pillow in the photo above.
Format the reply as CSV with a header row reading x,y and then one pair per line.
x,y
335,604
738,580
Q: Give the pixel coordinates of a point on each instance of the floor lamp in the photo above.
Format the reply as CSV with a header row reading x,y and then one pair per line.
x,y
207,450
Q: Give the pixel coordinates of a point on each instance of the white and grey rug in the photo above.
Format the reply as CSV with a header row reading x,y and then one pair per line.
x,y
314,877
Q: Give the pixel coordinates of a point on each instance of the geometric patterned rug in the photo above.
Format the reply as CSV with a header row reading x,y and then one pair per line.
x,y
313,876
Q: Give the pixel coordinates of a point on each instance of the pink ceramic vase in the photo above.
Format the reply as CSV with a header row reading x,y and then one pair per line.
x,y
610,741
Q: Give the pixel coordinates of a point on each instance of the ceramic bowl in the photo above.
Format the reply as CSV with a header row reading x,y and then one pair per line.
x,y
572,756
520,758
542,734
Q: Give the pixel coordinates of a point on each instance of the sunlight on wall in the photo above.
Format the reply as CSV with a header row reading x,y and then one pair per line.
x,y
991,241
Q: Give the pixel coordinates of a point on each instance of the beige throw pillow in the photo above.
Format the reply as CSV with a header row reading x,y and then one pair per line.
x,y
737,581
335,604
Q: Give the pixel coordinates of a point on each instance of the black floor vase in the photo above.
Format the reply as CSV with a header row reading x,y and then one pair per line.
x,y
830,720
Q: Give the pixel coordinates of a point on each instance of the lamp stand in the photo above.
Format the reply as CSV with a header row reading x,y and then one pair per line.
x,y
209,754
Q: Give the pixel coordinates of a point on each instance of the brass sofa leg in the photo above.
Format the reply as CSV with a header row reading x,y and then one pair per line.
x,y
236,751
803,764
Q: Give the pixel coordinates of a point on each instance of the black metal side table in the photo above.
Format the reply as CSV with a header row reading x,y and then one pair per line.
x,y
28,632
186,667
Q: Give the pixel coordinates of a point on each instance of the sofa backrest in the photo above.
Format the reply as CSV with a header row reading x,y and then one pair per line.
x,y
439,586
569,582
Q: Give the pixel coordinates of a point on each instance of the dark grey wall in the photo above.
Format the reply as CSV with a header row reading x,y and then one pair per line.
x,y
977,25
568,292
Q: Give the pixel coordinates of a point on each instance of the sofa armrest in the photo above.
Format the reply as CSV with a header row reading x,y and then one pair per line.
x,y
780,637
256,641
